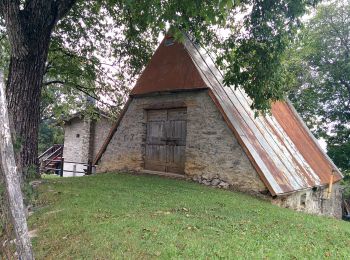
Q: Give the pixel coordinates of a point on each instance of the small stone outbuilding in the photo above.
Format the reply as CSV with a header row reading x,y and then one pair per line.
x,y
181,119
83,138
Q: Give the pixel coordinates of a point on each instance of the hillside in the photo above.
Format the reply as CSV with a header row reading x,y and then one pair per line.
x,y
113,216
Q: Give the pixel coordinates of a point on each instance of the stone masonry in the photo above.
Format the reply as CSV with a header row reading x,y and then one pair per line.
x,y
314,201
83,138
76,140
100,132
213,155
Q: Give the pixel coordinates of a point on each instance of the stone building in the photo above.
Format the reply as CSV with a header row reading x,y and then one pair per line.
x,y
82,140
181,120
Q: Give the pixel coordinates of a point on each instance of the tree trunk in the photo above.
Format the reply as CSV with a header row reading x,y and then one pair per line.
x,y
29,25
23,94
12,182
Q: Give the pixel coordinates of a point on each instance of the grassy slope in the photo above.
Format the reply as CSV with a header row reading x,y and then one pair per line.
x,y
123,216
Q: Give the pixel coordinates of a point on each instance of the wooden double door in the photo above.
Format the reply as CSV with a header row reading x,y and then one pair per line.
x,y
166,140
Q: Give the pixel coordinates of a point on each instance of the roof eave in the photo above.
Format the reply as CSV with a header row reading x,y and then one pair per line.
x,y
301,121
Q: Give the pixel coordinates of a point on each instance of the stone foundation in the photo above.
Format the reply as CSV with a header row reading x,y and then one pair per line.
x,y
216,182
314,201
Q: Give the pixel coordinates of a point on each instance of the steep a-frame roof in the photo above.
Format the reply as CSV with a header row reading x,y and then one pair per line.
x,y
280,146
170,68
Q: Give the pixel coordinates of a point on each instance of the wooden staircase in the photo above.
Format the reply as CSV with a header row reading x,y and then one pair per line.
x,y
50,160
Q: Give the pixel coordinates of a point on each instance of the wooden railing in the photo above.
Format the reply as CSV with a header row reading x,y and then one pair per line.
x,y
50,151
52,160
46,158
60,167
53,156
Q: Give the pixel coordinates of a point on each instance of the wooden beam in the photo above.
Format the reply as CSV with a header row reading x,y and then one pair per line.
x,y
12,182
167,105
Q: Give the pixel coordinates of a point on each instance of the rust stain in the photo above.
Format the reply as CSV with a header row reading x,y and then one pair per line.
x,y
285,173
170,69
279,177
273,145
304,143
301,170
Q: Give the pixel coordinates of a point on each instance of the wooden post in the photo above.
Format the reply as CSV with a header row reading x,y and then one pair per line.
x,y
74,170
62,166
329,192
13,186
89,168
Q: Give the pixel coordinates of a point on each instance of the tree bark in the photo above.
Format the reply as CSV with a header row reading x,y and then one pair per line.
x,y
29,30
12,182
23,94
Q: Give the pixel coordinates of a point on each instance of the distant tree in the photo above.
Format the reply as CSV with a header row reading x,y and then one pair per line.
x,y
320,79
49,134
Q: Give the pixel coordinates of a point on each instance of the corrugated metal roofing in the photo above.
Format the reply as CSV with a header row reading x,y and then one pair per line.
x,y
170,69
279,145
281,148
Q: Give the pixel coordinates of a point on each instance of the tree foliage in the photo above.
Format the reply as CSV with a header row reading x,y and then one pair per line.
x,y
97,48
249,46
125,34
49,134
320,63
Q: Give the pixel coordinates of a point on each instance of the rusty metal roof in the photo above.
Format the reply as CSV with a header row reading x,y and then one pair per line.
x,y
170,69
280,147
304,141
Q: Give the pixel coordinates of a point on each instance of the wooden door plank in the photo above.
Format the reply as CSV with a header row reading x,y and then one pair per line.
x,y
176,140
156,132
155,157
166,140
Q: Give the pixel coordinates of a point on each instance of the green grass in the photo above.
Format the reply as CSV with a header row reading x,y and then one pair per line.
x,y
49,176
114,216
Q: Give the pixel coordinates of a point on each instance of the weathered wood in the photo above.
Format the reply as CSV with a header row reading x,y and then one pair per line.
x,y
155,158
166,140
62,166
167,105
89,168
176,136
12,182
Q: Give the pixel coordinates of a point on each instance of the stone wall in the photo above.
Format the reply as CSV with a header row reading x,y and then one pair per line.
x,y
314,201
101,129
82,141
91,137
77,136
126,149
213,155
76,140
